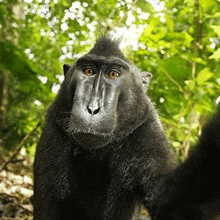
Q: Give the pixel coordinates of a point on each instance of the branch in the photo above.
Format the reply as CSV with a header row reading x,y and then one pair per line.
x,y
18,148
173,80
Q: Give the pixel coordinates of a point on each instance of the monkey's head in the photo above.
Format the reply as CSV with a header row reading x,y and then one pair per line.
x,y
105,94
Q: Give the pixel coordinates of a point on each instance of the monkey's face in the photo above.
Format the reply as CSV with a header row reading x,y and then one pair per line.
x,y
107,100
98,83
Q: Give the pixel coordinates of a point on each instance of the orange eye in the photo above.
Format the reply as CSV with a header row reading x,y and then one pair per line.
x,y
89,71
113,74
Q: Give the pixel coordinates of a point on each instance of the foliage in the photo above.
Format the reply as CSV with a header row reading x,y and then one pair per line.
x,y
180,50
178,42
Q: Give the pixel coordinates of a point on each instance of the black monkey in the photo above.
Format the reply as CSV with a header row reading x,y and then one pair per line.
x,y
103,151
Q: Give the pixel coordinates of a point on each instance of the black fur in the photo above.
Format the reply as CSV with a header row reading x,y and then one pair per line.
x,y
103,166
107,47
192,191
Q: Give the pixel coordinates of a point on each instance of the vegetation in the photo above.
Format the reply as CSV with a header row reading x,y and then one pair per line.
x,y
177,41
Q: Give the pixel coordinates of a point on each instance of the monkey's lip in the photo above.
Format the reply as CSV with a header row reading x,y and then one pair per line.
x,y
89,140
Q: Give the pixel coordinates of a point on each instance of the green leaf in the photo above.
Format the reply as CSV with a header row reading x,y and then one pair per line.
x,y
144,5
216,15
203,76
207,5
188,38
216,29
190,84
190,2
215,55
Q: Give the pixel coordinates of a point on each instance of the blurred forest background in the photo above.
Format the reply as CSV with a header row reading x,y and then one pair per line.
x,y
177,41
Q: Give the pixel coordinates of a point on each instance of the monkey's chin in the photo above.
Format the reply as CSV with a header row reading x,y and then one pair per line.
x,y
88,140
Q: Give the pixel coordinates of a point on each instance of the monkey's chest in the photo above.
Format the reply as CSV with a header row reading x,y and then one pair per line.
x,y
89,182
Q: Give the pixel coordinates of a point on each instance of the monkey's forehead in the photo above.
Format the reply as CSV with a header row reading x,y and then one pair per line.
x,y
104,59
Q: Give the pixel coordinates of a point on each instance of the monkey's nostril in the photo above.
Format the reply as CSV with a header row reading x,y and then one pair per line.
x,y
89,110
93,112
96,111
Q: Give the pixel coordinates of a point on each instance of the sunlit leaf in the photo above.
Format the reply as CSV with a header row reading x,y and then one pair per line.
x,y
208,4
216,29
215,55
188,38
203,76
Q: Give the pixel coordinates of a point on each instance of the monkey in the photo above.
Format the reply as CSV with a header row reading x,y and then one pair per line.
x,y
103,152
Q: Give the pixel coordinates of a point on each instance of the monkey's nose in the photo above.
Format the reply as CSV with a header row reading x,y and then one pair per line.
x,y
93,111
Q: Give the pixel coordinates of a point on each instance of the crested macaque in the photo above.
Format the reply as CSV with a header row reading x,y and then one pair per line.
x,y
103,152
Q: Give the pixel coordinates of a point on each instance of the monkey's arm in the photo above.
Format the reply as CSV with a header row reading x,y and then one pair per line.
x,y
192,191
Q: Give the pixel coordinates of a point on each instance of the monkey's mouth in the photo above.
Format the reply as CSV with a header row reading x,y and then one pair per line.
x,y
89,140
91,131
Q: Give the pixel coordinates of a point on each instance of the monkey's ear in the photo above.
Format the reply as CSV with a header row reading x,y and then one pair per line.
x,y
65,68
146,77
